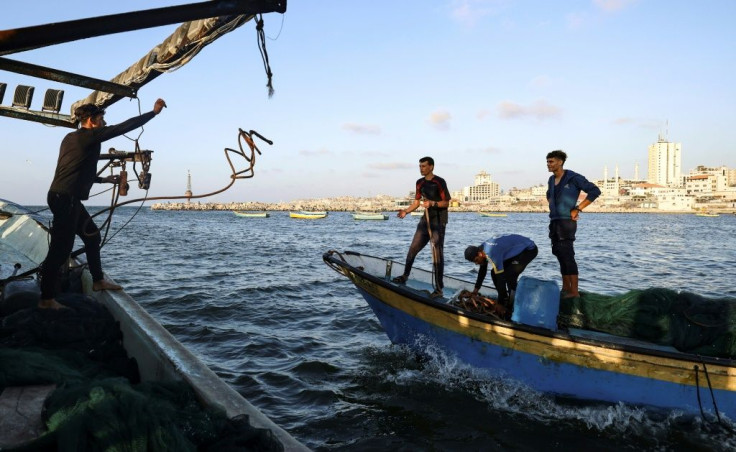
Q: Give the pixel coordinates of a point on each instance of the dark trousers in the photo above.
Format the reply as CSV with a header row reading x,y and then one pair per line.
x,y
70,219
512,268
562,233
421,238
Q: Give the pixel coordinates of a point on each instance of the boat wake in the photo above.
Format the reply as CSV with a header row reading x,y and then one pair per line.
x,y
510,399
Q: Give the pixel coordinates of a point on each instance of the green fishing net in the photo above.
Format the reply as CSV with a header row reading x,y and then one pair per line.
x,y
687,321
99,403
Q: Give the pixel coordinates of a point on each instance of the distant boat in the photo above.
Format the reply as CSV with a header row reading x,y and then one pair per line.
x,y
369,216
703,214
312,212
308,215
251,214
417,213
489,214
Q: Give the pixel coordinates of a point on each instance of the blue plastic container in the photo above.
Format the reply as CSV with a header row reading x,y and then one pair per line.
x,y
537,303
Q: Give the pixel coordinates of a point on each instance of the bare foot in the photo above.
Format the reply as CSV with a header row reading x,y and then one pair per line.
x,y
51,303
104,285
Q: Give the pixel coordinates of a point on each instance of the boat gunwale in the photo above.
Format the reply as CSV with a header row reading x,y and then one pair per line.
x,y
529,329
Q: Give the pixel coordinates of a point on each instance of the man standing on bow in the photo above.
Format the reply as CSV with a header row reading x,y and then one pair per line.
x,y
432,194
563,190
76,171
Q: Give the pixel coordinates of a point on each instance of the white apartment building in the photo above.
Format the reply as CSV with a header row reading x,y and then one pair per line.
x,y
665,163
483,189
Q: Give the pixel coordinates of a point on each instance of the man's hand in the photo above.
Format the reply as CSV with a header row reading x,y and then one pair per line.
x,y
401,214
159,105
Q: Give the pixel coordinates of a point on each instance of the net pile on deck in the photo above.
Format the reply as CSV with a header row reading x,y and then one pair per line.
x,y
99,403
481,305
687,321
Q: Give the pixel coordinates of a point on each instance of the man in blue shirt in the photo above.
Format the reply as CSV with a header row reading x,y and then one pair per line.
x,y
508,255
563,191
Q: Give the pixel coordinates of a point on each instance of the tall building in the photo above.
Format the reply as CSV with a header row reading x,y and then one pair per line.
x,y
483,189
665,163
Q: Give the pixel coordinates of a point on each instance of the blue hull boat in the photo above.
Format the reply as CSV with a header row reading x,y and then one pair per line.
x,y
573,363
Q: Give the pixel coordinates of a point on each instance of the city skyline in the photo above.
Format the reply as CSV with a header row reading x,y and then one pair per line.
x,y
475,84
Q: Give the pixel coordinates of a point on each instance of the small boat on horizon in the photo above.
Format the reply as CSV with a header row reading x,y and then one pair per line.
x,y
369,216
492,214
251,214
307,215
706,214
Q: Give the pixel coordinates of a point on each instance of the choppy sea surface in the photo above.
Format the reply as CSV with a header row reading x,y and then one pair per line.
x,y
254,300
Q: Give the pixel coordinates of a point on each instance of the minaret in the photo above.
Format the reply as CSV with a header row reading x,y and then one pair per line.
x,y
605,180
188,193
616,183
636,171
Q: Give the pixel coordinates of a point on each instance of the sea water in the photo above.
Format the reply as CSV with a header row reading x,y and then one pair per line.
x,y
254,300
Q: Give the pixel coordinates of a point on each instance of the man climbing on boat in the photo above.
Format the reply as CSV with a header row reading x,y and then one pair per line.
x,y
432,194
508,254
76,171
563,190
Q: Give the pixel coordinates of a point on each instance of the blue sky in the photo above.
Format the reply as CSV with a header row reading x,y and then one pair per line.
x,y
365,89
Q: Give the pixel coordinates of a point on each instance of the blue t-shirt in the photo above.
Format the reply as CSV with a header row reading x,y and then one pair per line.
x,y
563,197
503,247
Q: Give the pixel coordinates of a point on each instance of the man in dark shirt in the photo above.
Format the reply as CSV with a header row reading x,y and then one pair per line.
x,y
76,171
433,190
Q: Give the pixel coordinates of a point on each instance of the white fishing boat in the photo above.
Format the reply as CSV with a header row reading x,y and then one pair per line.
x,y
369,216
251,214
153,357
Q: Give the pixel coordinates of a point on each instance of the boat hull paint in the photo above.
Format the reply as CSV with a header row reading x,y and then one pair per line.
x,y
552,362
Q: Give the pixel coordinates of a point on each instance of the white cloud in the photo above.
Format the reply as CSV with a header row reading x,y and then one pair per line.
x,y
440,119
611,6
319,152
468,12
362,129
539,109
392,166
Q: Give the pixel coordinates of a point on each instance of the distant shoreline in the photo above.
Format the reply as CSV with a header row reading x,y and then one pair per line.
x,y
287,207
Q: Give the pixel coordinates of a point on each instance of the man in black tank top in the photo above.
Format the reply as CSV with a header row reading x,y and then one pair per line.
x,y
76,171
432,194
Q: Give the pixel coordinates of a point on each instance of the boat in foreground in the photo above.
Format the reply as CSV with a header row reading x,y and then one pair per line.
x,y
159,357
308,215
369,216
251,214
531,349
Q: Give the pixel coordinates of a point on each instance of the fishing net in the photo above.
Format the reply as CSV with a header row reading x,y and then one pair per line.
x,y
99,403
687,321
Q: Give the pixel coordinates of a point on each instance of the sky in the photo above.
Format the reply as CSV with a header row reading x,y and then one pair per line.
x,y
364,89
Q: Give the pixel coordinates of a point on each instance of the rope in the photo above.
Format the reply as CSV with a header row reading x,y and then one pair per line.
x,y
710,387
264,54
337,268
